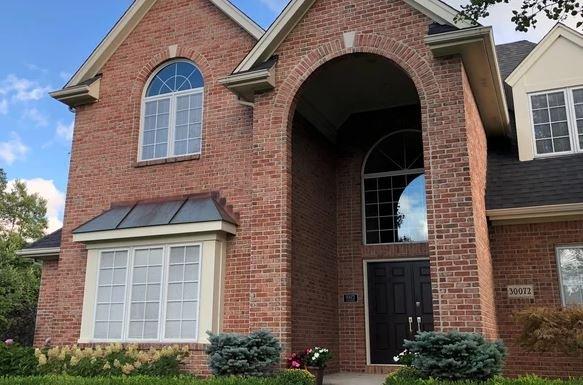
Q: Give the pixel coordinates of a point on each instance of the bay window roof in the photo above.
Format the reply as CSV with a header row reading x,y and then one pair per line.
x,y
163,217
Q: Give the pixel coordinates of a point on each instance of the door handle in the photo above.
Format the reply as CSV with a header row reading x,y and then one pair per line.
x,y
411,325
419,326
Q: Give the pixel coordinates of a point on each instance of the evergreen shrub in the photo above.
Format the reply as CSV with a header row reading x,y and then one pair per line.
x,y
456,356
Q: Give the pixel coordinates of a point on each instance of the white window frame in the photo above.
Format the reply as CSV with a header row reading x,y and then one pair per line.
x,y
163,294
172,96
571,121
558,261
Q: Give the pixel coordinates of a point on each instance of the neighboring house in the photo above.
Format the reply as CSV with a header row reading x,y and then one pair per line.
x,y
346,178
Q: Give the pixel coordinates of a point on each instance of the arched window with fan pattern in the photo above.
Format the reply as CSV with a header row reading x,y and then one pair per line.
x,y
172,112
394,199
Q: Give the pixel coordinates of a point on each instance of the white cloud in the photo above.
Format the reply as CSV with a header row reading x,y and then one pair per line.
x,y
3,106
65,131
36,117
22,89
12,149
55,199
275,5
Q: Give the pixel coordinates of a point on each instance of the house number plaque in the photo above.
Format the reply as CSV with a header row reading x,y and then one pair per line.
x,y
350,297
520,291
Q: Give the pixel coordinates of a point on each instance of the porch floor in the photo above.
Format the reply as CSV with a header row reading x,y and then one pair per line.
x,y
354,379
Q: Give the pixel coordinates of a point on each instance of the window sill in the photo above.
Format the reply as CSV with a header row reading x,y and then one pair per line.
x,y
174,159
192,346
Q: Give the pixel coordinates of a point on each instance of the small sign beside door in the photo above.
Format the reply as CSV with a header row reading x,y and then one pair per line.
x,y
520,291
350,297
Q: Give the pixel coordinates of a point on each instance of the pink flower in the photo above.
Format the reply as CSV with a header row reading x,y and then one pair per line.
x,y
295,364
9,342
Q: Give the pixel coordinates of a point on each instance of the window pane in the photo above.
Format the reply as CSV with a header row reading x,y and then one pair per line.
x,y
177,76
182,301
578,96
110,295
550,108
155,135
571,271
544,146
146,284
188,127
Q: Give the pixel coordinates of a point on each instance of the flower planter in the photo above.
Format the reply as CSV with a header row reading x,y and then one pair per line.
x,y
318,373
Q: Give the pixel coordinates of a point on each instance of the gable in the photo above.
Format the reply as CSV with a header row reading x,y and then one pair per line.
x,y
296,9
128,23
561,42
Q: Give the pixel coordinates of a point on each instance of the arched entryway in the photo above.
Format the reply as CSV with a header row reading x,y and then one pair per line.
x,y
356,123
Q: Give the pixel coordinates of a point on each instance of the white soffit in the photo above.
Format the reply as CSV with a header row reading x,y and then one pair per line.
x,y
559,30
128,22
296,9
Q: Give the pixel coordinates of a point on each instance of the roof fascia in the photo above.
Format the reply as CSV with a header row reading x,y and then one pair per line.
x,y
477,49
538,213
559,30
45,253
277,32
296,9
128,22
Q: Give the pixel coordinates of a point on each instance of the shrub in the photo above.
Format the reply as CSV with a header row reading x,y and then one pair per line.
x,y
456,356
295,377
17,360
404,374
549,329
256,354
527,380
112,360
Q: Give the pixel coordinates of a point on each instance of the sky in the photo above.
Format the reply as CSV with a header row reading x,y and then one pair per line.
x,y
42,46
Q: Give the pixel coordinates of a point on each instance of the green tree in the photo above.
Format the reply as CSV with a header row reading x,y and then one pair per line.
x,y
22,220
526,15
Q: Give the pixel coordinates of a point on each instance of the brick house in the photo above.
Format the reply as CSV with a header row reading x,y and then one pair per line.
x,y
356,173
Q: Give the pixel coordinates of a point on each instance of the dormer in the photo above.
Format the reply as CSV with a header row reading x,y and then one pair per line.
x,y
547,88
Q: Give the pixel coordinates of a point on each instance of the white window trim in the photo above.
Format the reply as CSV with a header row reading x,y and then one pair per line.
x,y
172,96
558,260
571,121
163,294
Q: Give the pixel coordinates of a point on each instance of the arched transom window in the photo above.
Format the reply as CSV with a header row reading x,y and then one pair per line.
x,y
172,112
395,208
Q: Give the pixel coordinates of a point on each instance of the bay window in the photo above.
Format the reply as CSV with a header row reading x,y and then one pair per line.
x,y
148,293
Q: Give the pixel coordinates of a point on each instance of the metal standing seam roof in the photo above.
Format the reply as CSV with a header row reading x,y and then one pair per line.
x,y
194,209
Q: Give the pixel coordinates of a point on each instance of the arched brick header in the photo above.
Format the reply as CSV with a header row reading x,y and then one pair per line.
x,y
406,57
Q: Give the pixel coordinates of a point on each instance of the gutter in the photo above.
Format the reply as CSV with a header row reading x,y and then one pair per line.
x,y
535,213
246,84
46,253
476,47
78,95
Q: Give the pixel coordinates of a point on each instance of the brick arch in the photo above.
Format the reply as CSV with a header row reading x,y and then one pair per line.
x,y
405,57
143,74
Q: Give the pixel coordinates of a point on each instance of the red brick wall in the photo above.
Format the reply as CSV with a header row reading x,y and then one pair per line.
x,y
525,254
314,262
105,148
477,149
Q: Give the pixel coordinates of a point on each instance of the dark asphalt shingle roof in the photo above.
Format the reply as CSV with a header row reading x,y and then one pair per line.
x,y
539,182
512,183
49,241
193,209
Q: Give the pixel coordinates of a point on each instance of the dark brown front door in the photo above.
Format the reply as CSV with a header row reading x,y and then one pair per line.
x,y
399,305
